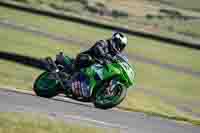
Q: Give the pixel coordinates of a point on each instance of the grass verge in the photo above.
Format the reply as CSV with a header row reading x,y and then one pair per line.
x,y
193,4
148,48
166,116
154,105
42,47
109,12
34,123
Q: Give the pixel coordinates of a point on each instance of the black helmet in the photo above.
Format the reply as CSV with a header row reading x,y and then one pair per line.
x,y
119,41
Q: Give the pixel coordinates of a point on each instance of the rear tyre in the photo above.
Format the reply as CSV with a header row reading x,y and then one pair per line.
x,y
104,101
45,86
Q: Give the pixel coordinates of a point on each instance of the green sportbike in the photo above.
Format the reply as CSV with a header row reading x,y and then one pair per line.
x,y
49,84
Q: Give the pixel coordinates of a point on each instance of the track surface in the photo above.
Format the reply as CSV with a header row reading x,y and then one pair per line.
x,y
126,121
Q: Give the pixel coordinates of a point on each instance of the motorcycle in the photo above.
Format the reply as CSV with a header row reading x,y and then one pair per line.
x,y
49,84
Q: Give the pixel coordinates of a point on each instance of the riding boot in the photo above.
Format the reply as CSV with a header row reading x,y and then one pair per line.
x,y
67,86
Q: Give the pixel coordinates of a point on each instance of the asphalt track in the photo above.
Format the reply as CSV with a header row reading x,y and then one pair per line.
x,y
127,122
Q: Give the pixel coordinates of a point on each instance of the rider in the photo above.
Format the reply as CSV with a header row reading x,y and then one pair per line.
x,y
103,51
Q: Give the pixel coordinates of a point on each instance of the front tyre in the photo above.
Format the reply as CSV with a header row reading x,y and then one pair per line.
x,y
45,86
105,101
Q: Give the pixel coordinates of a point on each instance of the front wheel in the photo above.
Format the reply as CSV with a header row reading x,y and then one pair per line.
x,y
104,100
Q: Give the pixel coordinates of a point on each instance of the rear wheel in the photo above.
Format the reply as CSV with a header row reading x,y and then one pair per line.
x,y
46,86
104,100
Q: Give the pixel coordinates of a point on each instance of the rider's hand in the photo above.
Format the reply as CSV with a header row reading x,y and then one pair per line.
x,y
110,58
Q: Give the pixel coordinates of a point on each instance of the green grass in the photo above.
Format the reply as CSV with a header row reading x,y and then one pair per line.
x,y
25,43
42,47
36,123
137,11
181,87
191,27
157,107
164,92
192,4
148,48
17,76
174,25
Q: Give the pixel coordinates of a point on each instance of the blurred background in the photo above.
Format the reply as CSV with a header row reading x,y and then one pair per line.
x,y
167,75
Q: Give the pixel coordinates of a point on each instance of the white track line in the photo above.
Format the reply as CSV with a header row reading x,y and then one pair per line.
x,y
75,117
